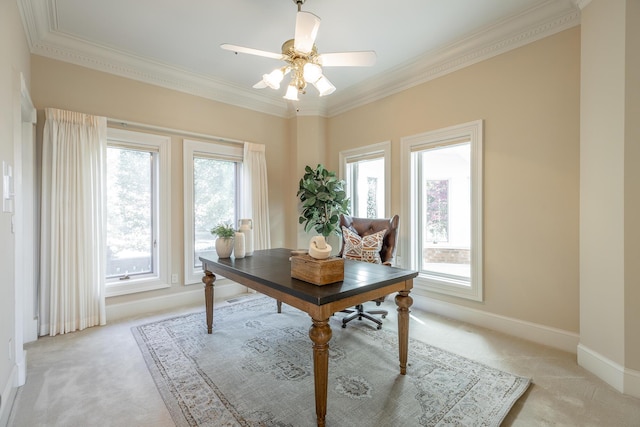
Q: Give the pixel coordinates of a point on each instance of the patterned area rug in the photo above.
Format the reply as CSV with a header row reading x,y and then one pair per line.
x,y
256,369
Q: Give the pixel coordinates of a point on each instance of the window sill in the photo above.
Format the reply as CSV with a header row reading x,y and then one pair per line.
x,y
452,287
134,286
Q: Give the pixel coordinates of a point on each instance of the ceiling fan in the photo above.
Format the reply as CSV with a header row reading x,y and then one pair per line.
x,y
303,60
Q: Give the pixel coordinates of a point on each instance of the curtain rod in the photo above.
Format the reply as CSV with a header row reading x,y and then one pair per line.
x,y
176,132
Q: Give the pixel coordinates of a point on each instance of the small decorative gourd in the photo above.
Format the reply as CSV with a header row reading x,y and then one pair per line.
x,y
319,248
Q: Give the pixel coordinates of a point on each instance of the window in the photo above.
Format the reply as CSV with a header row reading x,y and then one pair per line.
x,y
212,182
366,171
131,208
137,212
443,208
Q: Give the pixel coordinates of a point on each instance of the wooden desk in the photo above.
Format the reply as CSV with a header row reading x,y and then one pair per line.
x,y
269,272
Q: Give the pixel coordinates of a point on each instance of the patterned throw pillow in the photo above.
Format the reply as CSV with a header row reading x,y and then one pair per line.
x,y
365,248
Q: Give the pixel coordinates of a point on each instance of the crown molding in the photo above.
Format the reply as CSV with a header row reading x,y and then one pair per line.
x,y
550,17
156,73
582,3
29,21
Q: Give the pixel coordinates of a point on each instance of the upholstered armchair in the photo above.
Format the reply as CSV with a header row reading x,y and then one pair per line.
x,y
371,234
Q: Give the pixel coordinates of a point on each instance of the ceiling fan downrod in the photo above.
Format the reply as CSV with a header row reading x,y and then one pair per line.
x,y
299,3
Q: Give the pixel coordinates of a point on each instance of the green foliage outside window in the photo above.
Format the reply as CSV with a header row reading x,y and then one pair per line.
x,y
438,210
129,211
372,200
214,193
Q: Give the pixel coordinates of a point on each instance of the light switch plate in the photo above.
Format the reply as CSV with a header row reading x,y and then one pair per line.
x,y
7,187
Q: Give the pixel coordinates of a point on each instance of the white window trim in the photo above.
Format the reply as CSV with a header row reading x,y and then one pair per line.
x,y
383,149
191,148
408,244
161,144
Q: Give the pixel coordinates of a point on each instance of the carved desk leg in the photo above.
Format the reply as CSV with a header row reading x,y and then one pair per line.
x,y
208,280
320,334
403,301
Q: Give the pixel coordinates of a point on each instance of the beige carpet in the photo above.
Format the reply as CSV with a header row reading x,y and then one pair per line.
x,y
256,369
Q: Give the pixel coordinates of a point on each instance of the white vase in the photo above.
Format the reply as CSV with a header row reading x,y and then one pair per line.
x,y
245,226
238,245
224,246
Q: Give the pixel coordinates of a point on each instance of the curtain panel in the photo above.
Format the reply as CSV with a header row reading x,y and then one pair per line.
x,y
72,293
256,203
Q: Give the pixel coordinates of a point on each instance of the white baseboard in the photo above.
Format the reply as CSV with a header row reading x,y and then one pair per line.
x,y
541,334
8,396
632,382
606,369
624,380
22,370
223,289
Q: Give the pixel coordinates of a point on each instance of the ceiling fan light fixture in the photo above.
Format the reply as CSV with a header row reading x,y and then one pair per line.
x,y
292,93
324,86
274,78
312,72
303,61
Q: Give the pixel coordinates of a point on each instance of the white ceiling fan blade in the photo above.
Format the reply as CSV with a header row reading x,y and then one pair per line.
x,y
260,85
348,59
250,51
307,25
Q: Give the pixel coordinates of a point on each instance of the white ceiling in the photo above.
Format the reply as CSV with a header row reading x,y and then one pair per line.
x,y
175,44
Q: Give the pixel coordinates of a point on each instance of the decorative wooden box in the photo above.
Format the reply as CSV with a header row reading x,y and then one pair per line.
x,y
317,271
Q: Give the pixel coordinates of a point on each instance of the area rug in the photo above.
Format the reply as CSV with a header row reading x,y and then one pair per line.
x,y
256,369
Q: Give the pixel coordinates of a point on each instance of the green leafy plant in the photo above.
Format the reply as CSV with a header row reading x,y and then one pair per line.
x,y
323,199
225,231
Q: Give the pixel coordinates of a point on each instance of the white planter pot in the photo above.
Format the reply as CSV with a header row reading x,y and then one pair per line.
x,y
224,247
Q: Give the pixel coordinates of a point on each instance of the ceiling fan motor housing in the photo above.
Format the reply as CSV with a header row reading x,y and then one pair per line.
x,y
297,60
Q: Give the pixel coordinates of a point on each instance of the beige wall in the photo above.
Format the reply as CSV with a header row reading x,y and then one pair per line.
x,y
602,180
529,99
632,191
62,85
15,60
610,183
309,141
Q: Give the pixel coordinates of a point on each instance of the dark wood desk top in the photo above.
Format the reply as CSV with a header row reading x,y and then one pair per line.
x,y
272,268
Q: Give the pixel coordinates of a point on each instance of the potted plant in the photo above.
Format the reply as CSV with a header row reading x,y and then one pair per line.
x,y
224,242
323,199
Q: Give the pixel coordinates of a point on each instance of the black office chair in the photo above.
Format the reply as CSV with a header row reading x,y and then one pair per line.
x,y
372,228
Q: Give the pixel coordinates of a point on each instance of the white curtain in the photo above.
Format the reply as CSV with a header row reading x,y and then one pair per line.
x,y
72,266
256,200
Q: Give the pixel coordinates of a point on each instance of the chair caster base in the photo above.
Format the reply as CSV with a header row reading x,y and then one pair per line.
x,y
359,313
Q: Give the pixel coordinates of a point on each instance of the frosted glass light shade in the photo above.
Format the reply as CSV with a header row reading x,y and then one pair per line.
x,y
274,78
324,86
292,93
312,72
